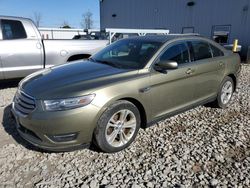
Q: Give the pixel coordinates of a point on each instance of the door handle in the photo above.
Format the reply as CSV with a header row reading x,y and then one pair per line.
x,y
189,71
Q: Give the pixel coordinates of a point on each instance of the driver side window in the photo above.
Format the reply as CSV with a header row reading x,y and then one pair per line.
x,y
12,29
178,52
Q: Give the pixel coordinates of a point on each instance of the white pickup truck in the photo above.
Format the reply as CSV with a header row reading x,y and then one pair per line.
x,y
23,51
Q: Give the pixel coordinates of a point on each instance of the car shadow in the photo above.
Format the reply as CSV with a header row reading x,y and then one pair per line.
x,y
8,123
9,83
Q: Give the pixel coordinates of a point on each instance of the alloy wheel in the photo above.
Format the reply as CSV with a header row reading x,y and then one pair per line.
x,y
226,92
120,128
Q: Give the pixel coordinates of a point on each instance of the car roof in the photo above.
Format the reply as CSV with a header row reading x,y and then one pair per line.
x,y
14,18
165,38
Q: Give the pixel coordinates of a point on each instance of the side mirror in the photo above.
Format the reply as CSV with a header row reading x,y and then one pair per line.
x,y
163,66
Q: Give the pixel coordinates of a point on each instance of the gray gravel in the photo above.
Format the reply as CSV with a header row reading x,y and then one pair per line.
x,y
203,147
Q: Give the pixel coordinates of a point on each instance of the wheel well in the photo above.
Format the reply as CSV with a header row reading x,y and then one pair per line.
x,y
78,56
234,80
141,110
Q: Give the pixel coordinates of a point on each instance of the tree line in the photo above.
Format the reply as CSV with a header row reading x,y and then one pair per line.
x,y
86,21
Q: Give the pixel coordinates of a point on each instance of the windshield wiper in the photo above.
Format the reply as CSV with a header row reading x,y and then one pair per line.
x,y
108,63
105,62
91,59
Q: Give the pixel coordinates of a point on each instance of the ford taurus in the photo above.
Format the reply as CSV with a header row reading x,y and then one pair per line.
x,y
130,84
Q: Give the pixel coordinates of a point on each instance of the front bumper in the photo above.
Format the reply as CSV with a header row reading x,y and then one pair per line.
x,y
38,128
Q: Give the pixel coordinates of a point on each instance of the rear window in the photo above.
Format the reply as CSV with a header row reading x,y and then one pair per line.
x,y
216,51
12,29
201,50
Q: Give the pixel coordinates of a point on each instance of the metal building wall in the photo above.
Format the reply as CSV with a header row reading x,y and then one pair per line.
x,y
175,14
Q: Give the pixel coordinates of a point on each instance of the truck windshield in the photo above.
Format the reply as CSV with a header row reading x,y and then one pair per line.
x,y
128,53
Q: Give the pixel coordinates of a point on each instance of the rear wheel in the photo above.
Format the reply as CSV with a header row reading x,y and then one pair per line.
x,y
117,127
225,93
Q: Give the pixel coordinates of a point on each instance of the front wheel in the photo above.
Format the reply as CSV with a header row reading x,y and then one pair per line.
x,y
117,127
225,93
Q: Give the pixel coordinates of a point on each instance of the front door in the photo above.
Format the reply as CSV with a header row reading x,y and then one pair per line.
x,y
173,90
20,55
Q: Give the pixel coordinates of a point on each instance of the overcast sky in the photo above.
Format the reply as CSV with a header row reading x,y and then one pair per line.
x,y
54,12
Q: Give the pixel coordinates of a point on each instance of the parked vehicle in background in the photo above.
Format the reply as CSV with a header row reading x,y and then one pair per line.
x,y
130,84
92,35
82,37
89,37
23,51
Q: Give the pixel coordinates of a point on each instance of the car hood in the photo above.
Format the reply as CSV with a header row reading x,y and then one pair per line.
x,y
72,79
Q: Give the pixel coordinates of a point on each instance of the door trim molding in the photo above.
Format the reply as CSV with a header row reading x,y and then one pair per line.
x,y
168,115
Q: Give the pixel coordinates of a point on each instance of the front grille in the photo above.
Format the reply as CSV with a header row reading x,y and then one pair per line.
x,y
24,103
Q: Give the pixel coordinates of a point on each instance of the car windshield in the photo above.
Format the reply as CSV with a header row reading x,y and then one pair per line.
x,y
128,53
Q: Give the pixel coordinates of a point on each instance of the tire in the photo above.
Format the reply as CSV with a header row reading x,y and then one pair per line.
x,y
110,134
228,84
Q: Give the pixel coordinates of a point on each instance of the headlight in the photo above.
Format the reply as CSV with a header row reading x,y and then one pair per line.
x,y
70,103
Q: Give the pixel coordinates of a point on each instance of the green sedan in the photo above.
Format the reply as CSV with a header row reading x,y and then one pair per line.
x,y
129,85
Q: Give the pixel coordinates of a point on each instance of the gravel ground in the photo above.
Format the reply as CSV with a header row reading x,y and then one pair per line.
x,y
203,147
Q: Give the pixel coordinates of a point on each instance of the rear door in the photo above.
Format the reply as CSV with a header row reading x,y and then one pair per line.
x,y
20,53
209,68
174,90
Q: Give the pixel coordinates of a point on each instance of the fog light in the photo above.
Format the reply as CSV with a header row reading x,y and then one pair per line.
x,y
63,137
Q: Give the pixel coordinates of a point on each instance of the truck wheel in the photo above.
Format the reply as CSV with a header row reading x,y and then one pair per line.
x,y
117,127
225,93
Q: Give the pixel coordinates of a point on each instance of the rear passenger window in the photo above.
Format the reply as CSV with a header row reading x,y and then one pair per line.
x,y
178,52
12,29
216,51
201,50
